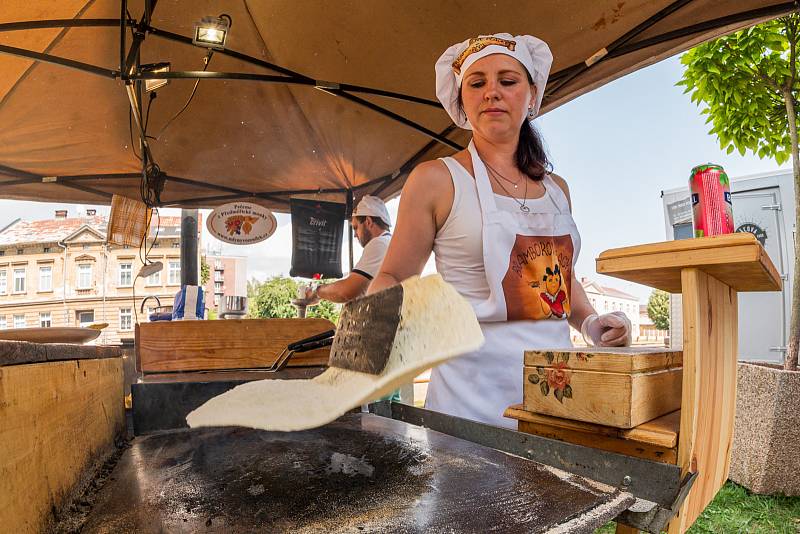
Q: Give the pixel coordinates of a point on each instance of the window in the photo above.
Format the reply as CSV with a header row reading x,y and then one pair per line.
x,y
125,274
216,300
125,319
2,252
20,251
46,278
176,244
45,320
154,279
3,282
218,287
85,318
19,280
46,250
85,276
19,321
174,276
3,324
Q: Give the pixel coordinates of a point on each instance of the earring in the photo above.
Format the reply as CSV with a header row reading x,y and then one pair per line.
x,y
531,113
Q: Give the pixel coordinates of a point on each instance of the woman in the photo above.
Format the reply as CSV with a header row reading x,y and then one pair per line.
x,y
500,226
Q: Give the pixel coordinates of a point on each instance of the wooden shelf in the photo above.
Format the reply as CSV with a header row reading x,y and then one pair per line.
x,y
737,260
655,440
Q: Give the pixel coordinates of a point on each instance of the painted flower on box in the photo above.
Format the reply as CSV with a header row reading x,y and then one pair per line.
x,y
556,378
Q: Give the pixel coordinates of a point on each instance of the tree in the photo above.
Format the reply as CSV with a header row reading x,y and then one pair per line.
x,y
658,309
749,84
272,298
205,271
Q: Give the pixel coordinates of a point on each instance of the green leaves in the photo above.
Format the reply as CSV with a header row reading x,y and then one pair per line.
x,y
658,308
737,80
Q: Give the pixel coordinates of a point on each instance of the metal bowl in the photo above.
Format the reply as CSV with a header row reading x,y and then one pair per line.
x,y
235,304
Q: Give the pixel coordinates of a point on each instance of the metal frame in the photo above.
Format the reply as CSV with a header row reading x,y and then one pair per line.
x,y
130,73
658,486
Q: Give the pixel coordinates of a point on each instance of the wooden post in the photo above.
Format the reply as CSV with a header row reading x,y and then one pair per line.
x,y
708,272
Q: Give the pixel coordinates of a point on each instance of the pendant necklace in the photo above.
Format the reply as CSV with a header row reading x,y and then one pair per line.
x,y
522,207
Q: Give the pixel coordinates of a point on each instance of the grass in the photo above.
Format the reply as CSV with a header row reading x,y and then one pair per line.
x,y
735,510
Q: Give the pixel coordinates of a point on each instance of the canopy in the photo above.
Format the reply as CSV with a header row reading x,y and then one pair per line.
x,y
309,97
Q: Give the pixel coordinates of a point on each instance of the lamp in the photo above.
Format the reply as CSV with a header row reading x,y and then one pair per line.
x,y
151,84
149,269
212,32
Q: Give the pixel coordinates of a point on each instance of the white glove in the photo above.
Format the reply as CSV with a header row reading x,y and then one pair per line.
x,y
608,330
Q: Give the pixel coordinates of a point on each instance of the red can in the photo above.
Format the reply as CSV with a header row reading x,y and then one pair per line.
x,y
711,200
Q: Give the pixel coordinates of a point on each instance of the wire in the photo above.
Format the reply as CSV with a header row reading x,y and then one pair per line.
x,y
206,62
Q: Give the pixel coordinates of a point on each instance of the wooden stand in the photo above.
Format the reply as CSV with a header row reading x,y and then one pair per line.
x,y
708,272
58,422
230,344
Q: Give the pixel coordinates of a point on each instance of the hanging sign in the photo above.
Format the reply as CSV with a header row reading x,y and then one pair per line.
x,y
241,223
317,233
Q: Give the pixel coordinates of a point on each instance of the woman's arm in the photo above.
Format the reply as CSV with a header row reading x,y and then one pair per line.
x,y
581,307
424,206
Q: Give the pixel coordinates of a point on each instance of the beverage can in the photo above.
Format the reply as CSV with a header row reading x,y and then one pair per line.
x,y
712,208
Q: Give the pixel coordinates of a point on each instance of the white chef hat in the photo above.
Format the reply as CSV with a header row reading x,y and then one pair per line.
x,y
533,53
373,207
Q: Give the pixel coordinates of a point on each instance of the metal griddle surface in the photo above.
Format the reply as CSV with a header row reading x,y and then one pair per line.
x,y
362,473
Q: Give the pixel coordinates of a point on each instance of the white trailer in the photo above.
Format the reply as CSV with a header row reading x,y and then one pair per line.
x,y
763,204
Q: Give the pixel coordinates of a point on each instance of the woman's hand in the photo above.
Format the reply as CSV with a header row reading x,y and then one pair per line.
x,y
607,330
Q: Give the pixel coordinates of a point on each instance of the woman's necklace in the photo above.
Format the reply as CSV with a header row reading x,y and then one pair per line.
x,y
497,173
522,207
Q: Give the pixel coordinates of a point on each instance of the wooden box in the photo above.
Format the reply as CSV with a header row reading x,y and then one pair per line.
x,y
618,387
227,344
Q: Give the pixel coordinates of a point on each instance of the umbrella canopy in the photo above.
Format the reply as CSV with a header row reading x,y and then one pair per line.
x,y
308,98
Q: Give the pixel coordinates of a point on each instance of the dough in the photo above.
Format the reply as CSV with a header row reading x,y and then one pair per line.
x,y
436,324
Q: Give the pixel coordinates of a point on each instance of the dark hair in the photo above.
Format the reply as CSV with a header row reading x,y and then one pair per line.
x,y
530,157
377,220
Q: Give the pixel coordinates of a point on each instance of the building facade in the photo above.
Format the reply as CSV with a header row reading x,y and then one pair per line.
x,y
607,299
61,272
228,277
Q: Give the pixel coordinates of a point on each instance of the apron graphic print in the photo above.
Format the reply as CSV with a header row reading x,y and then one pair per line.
x,y
538,280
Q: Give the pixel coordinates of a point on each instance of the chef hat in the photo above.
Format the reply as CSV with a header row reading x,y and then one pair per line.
x,y
373,207
533,53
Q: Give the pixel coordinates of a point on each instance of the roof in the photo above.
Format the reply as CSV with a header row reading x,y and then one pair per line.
x,y
593,287
305,100
613,292
54,230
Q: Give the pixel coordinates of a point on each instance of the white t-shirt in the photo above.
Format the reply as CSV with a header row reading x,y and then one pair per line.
x,y
372,257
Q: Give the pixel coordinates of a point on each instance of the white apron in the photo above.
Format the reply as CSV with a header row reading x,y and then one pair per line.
x,y
528,259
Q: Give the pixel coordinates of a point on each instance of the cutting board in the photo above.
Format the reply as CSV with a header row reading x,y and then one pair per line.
x,y
228,344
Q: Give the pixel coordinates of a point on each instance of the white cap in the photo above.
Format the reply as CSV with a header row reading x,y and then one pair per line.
x,y
373,207
533,53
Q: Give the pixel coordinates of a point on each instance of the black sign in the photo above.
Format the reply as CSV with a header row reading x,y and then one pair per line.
x,y
754,229
317,229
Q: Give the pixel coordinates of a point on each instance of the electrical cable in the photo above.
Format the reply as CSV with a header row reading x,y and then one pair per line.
x,y
206,61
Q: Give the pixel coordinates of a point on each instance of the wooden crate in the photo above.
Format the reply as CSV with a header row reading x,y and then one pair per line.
x,y
227,344
619,387
58,421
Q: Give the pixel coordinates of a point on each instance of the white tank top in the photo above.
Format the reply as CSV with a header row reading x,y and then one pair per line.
x,y
482,384
458,246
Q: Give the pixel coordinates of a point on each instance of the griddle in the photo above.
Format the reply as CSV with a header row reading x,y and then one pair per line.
x,y
361,473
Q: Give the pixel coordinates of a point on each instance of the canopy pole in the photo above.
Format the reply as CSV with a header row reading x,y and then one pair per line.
x,y
189,256
349,214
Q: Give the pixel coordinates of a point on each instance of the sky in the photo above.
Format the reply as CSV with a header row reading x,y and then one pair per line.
x,y
618,147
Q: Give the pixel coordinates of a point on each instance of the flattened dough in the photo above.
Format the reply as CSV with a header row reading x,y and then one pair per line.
x,y
436,324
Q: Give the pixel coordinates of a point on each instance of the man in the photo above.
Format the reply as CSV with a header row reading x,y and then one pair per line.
x,y
371,225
